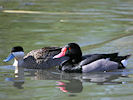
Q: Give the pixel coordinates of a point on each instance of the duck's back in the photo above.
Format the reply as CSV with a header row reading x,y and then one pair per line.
x,y
43,58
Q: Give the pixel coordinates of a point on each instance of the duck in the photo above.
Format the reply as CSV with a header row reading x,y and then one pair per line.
x,y
35,59
91,62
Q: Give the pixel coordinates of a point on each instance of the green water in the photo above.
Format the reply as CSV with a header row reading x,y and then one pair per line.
x,y
98,26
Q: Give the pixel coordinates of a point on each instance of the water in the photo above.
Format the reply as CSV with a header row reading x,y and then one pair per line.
x,y
97,26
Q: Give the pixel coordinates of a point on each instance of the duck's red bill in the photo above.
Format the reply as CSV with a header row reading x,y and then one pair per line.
x,y
62,53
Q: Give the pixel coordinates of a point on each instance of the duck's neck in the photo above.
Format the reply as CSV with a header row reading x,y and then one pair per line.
x,y
76,59
18,65
19,71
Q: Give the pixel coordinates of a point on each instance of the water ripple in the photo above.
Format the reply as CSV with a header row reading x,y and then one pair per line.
x,y
122,19
50,13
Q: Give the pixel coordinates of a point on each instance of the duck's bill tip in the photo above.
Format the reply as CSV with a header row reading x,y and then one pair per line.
x,y
10,57
5,60
59,55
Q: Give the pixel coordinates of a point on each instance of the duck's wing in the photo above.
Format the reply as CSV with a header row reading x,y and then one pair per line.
x,y
90,58
93,57
44,53
100,65
43,58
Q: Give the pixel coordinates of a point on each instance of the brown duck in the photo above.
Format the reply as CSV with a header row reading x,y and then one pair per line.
x,y
35,59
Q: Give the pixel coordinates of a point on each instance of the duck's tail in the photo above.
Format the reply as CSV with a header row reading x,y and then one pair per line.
x,y
122,60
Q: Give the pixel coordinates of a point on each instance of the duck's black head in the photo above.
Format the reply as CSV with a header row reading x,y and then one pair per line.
x,y
71,50
17,49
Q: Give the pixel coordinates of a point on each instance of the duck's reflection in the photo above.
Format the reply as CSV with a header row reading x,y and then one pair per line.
x,y
18,79
72,86
103,78
67,82
72,82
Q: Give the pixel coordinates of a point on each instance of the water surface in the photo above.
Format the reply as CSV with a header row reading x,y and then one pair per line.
x,y
103,26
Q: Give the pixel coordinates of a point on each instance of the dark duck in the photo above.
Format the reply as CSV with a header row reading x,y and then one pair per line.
x,y
89,63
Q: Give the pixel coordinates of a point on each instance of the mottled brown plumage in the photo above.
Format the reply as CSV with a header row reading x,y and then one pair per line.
x,y
36,59
42,58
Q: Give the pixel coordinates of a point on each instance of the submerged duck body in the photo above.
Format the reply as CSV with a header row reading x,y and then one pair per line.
x,y
35,59
89,63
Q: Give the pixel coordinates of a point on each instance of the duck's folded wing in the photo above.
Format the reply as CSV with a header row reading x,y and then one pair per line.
x,y
100,65
90,59
44,52
93,57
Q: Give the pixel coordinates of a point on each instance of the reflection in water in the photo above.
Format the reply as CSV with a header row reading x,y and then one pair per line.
x,y
18,79
103,78
18,84
67,82
72,86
